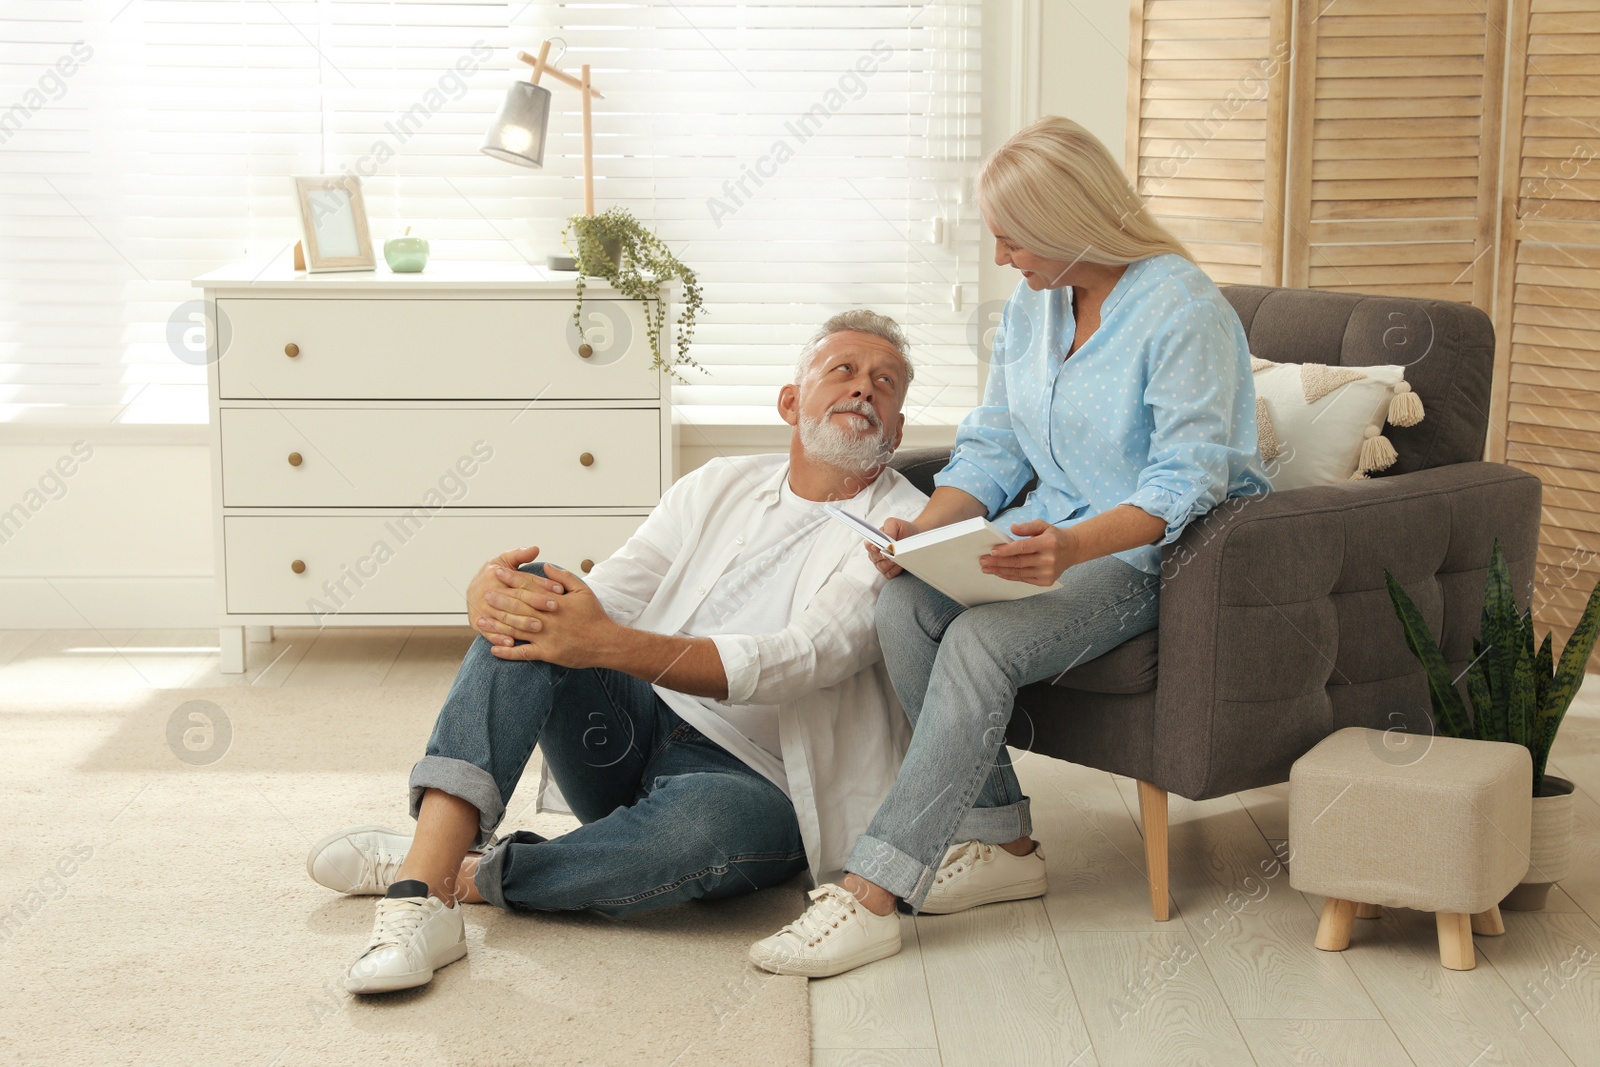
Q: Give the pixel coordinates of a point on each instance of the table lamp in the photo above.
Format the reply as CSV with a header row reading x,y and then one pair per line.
x,y
518,133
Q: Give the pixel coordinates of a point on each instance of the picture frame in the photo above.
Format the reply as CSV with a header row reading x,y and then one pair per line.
x,y
333,224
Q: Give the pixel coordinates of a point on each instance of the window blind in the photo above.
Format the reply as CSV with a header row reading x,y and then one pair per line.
x,y
802,157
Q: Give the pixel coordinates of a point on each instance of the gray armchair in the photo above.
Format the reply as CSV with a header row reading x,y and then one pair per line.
x,y
1276,628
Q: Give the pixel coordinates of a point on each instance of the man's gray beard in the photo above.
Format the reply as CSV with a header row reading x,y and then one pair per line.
x,y
830,444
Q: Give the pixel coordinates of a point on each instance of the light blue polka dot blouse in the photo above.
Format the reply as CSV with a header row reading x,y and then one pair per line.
x,y
1157,409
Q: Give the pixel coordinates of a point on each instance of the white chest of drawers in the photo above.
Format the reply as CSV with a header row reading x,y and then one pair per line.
x,y
376,436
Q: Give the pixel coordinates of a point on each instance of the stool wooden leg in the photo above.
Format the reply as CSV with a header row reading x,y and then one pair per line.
x,y
1333,932
1455,940
1153,819
1488,923
1368,911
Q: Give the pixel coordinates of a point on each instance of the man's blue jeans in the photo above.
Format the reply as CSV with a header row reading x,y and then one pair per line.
x,y
668,815
956,671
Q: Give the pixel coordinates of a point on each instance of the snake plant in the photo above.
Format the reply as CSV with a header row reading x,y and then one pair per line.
x,y
1517,694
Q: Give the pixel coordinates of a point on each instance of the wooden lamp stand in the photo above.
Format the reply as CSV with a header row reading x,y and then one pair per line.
x,y
541,67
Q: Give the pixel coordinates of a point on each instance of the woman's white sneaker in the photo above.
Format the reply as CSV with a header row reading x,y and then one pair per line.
x,y
836,933
360,861
976,873
413,935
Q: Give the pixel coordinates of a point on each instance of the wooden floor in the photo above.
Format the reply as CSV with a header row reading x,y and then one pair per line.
x,y
1084,976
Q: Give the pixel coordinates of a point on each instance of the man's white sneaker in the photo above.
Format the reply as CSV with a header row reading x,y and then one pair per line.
x,y
360,861
975,873
836,933
413,936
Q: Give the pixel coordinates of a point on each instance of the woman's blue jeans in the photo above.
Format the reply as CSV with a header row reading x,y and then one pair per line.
x,y
668,815
956,671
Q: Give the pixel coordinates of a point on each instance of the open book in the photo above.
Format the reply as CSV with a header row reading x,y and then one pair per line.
x,y
947,558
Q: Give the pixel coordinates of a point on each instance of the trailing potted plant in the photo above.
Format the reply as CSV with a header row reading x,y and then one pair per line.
x,y
617,247
1518,695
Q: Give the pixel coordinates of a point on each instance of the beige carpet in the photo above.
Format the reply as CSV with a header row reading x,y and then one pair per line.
x,y
154,908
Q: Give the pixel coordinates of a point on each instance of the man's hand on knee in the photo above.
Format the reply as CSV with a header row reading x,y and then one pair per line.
x,y
577,637
489,621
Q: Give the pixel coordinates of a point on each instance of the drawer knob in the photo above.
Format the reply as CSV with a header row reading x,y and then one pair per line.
x,y
586,350
294,459
587,565
587,459
291,350
298,566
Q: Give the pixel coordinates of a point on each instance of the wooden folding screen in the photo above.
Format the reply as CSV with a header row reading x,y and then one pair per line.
x,y
1356,150
1394,126
1547,310
1207,102
1435,148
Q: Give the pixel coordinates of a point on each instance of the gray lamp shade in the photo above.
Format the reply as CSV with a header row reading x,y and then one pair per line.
x,y
517,135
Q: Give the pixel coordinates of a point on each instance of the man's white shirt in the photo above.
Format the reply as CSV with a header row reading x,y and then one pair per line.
x,y
788,598
755,595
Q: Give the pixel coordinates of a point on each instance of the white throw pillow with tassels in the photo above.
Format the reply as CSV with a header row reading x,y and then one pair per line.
x,y
1320,424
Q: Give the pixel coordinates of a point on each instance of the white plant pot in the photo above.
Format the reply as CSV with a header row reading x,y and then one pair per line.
x,y
1550,850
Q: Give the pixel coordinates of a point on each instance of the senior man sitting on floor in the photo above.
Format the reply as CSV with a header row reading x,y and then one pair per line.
x,y
711,700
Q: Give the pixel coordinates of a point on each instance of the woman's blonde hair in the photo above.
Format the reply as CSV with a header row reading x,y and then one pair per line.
x,y
1054,189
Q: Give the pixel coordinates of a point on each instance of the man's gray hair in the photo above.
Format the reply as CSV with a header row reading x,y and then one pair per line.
x,y
857,320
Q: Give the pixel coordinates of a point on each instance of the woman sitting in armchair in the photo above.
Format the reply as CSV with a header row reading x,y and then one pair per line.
x,y
1120,378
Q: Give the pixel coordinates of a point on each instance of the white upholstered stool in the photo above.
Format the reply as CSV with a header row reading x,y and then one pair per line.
x,y
1401,820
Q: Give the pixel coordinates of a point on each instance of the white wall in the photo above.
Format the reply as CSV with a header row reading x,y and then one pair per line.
x,y
125,540
1083,74
1050,57
122,540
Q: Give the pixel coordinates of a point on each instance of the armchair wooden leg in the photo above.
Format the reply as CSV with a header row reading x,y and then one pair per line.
x,y
1368,911
1153,819
1455,941
1333,931
1489,923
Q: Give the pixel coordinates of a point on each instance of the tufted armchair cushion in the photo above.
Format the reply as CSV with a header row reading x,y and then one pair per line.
x,y
1276,628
